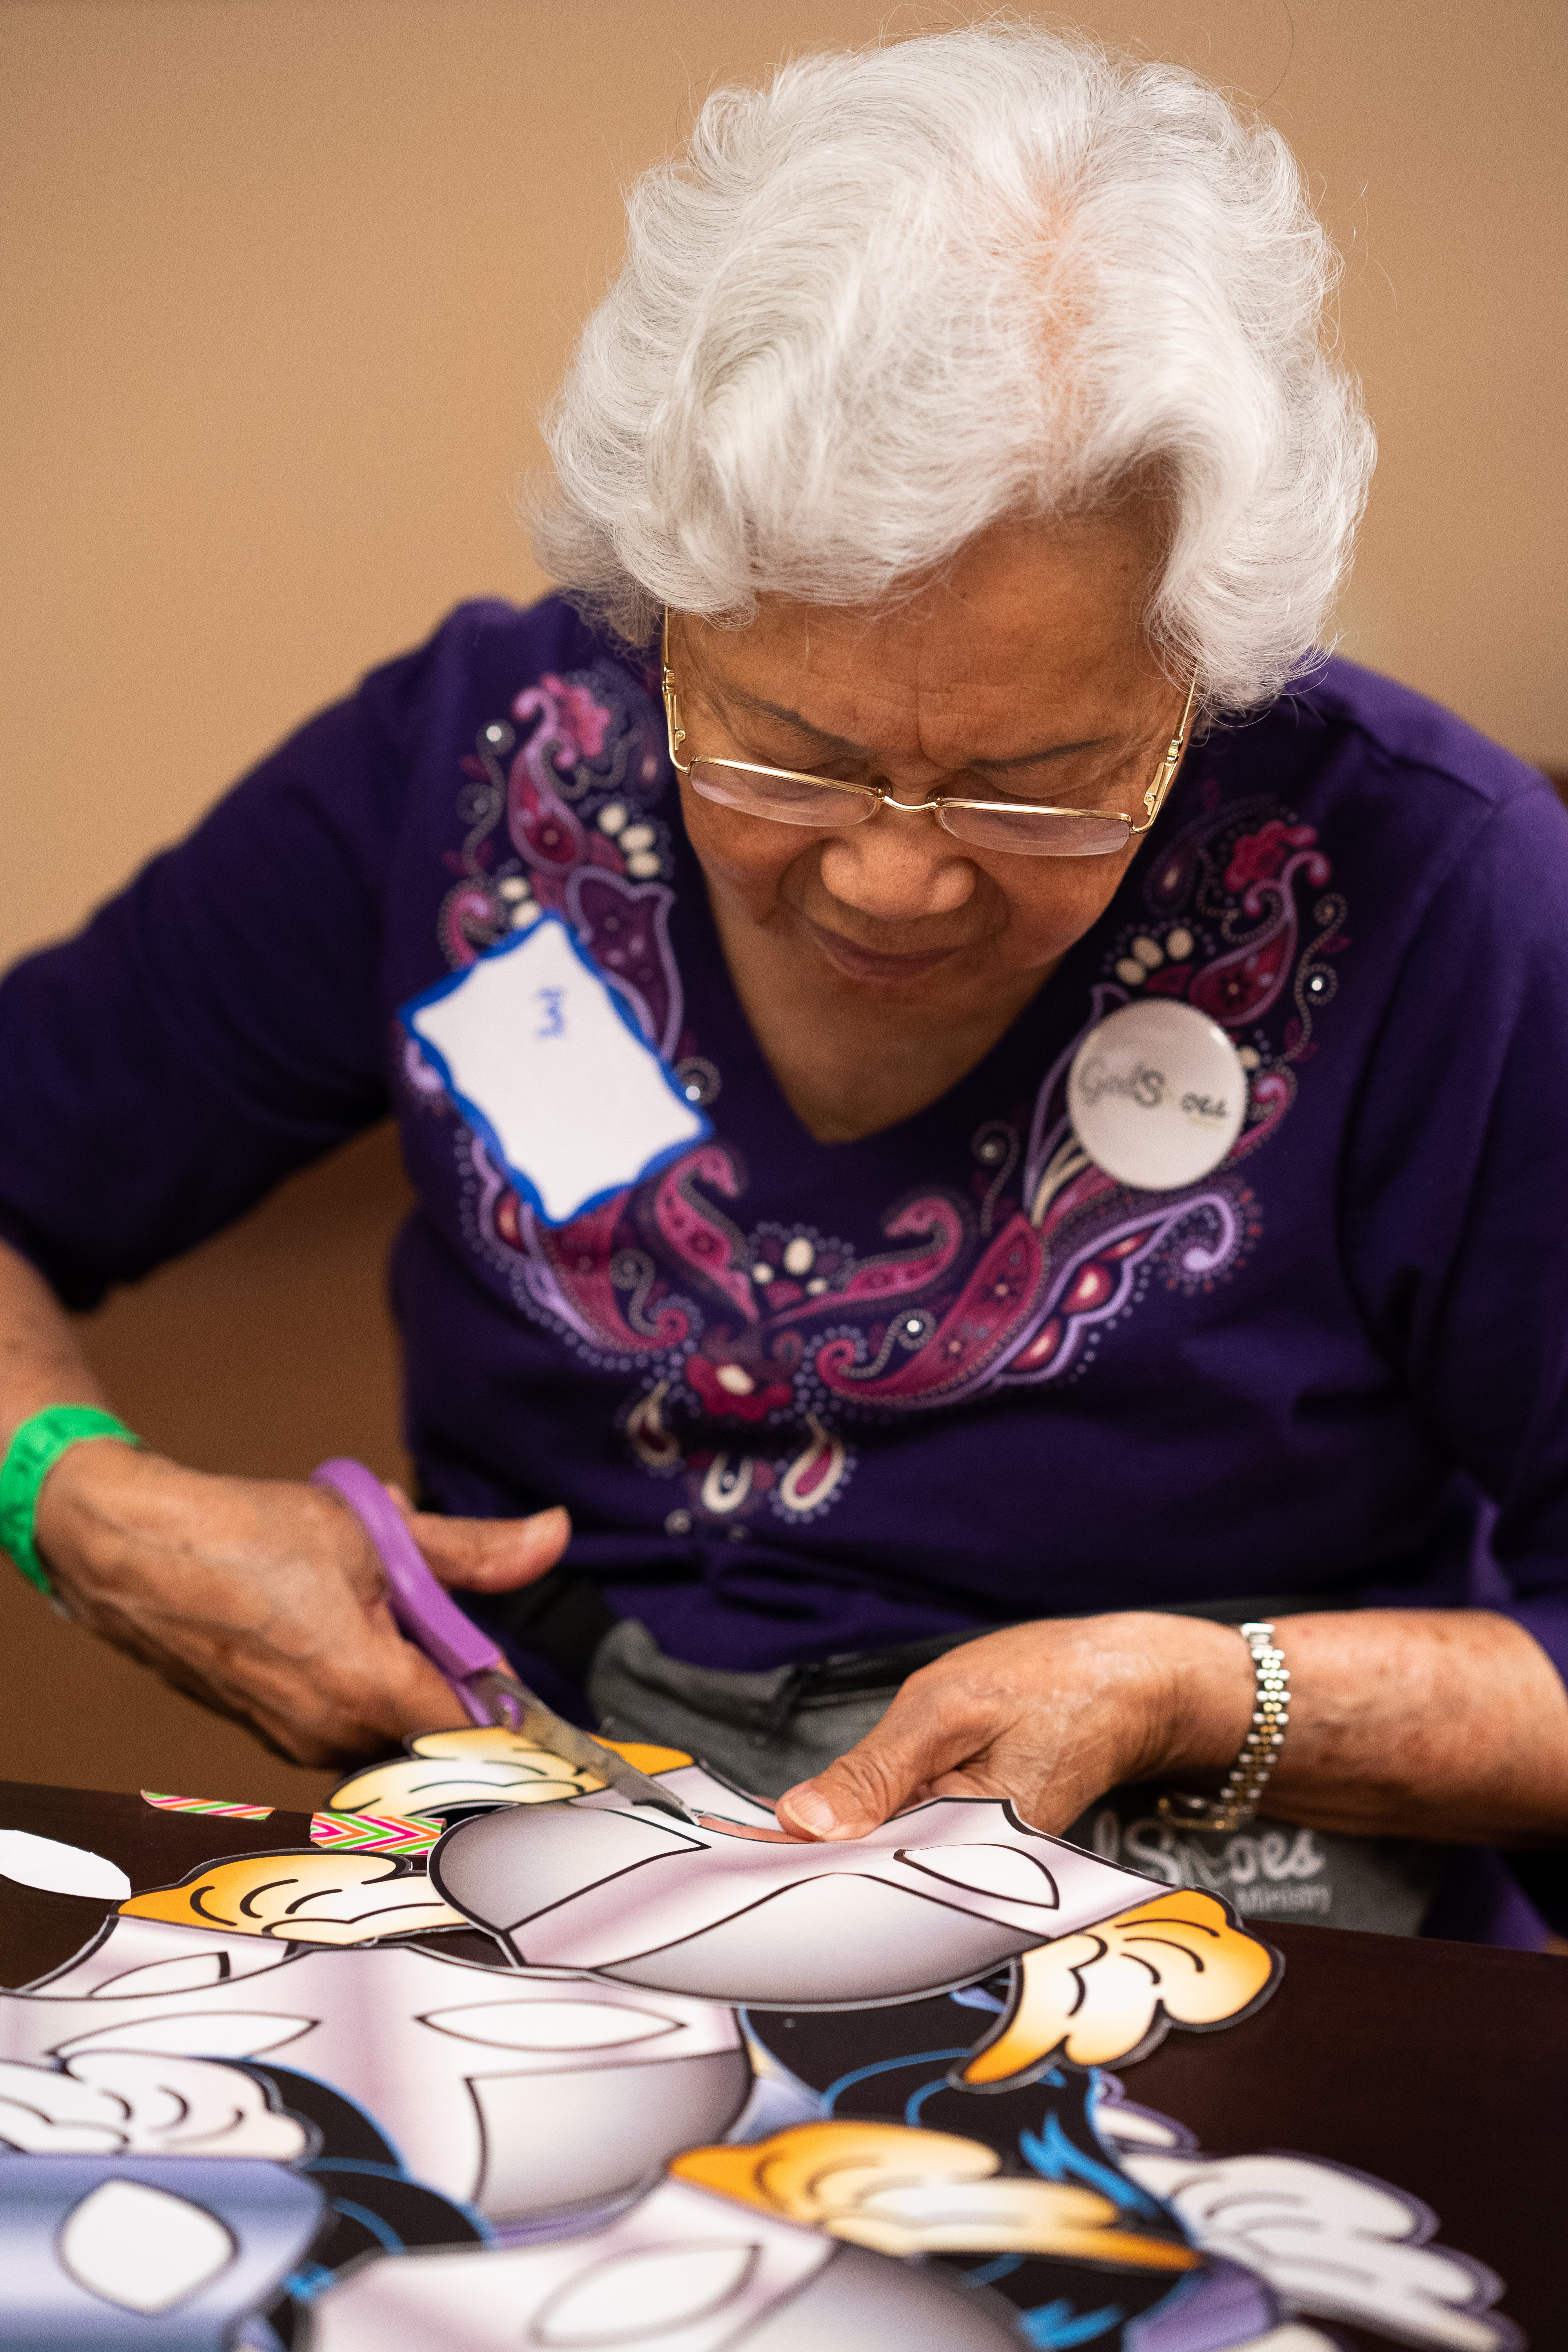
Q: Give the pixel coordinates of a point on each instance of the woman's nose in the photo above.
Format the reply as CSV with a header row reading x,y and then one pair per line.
x,y
896,868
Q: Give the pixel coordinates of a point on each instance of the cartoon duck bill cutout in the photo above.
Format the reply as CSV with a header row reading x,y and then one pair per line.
x,y
451,1772
729,1909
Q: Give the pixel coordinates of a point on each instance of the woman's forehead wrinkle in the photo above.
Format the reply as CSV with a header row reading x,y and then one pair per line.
x,y
1050,752
759,705
953,749
742,698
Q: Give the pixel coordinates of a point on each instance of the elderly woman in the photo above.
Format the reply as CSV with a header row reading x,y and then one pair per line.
x,y
772,951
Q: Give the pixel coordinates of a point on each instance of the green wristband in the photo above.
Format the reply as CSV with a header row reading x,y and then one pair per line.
x,y
32,1455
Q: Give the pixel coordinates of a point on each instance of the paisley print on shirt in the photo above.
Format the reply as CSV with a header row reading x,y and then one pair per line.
x,y
752,1349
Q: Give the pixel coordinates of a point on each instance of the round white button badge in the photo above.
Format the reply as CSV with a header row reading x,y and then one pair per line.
x,y
1157,1094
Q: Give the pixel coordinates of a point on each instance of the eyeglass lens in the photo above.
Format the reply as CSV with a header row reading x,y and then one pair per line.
x,y
1023,833
1038,833
786,799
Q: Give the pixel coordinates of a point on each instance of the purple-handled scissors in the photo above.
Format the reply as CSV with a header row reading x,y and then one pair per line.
x,y
483,1682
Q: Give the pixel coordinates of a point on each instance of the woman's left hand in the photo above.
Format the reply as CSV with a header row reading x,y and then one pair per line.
x,y
1050,1715
1437,1722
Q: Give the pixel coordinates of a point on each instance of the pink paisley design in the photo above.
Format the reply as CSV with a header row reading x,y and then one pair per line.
x,y
567,1271
1091,1185
809,1482
1097,1282
469,923
1240,987
1258,857
889,1281
625,926
994,1302
699,1236
581,1257
602,850
544,829
1009,1328
507,1224
583,722
1271,1095
723,1403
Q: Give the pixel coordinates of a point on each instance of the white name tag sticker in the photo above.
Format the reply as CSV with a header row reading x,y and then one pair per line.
x,y
546,1063
1157,1094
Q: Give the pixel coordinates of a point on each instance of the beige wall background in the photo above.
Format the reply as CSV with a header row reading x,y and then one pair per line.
x,y
283,284
284,281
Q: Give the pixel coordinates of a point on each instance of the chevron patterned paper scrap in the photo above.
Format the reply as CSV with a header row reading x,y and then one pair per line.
x,y
373,1832
205,1805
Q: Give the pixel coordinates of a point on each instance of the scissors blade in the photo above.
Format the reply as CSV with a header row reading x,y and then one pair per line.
x,y
464,1654
516,1705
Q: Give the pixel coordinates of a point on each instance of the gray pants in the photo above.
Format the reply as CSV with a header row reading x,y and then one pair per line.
x,y
758,1731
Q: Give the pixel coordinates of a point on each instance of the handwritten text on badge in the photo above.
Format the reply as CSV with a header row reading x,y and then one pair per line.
x,y
1157,1095
547,1065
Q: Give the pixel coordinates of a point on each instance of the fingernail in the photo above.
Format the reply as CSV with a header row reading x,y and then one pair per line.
x,y
810,1810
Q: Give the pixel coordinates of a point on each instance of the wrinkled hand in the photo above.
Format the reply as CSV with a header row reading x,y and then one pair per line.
x,y
262,1597
1050,1714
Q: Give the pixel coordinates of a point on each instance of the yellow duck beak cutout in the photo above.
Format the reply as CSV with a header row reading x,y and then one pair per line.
x,y
900,2190
301,1898
487,1765
1105,1996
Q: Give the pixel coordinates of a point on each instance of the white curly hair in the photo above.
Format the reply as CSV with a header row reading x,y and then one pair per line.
x,y
899,293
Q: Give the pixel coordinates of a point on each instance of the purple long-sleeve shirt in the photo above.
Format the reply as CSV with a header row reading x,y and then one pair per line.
x,y
805,1398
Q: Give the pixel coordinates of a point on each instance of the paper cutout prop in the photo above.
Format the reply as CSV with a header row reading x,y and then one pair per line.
x,y
127,2103
170,2251
145,2242
1333,2243
377,2205
453,1771
735,1910
1293,2337
549,2099
517,2094
446,1771
902,2190
680,2272
60,1869
145,1956
371,1833
549,1067
206,1805
1107,1996
1042,2133
303,1898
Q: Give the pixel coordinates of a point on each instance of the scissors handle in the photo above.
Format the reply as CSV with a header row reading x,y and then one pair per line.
x,y
478,1671
421,1604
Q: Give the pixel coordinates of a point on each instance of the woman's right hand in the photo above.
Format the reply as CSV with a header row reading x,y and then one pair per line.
x,y
262,1597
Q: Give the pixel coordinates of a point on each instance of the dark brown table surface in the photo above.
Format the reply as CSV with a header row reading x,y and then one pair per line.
x,y
1442,2068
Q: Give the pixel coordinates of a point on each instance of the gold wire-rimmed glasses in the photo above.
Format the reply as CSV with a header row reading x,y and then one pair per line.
x,y
1025,829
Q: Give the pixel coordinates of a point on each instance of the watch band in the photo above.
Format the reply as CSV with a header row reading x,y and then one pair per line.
x,y
1244,1782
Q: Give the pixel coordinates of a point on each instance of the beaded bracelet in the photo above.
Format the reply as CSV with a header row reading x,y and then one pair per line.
x,y
37,1447
1245,1780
